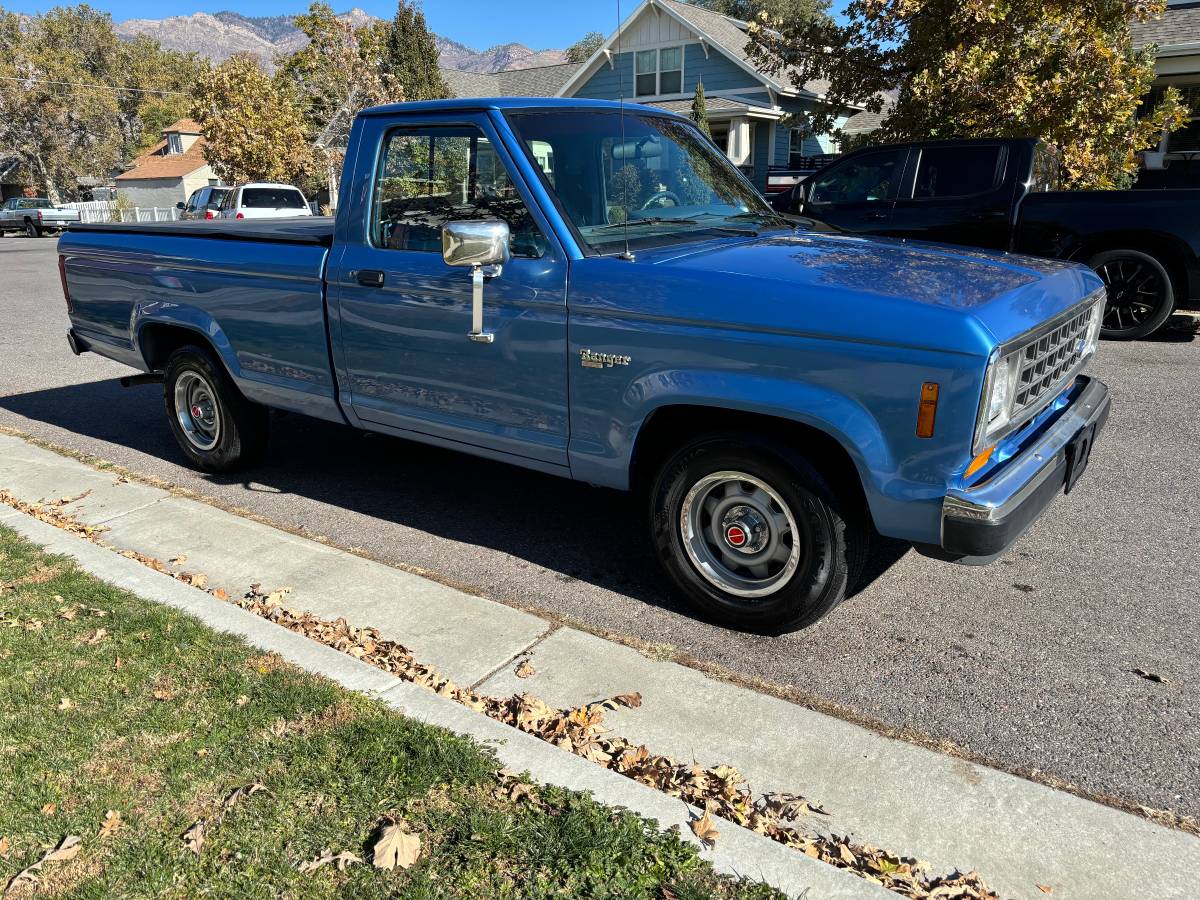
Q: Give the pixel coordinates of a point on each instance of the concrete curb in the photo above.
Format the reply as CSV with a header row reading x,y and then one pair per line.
x,y
737,852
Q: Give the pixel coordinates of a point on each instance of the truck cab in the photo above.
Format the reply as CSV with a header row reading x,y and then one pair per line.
x,y
591,290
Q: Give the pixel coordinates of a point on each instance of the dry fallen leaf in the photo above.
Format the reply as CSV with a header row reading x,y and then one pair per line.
x,y
193,838
220,594
203,751
65,703
341,860
68,849
178,560
397,846
95,637
1044,888
632,700
242,700
198,581
164,695
5,847
705,829
49,809
237,795
112,823
1151,676
525,669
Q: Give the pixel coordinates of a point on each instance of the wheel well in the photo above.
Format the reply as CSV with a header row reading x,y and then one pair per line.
x,y
669,428
159,341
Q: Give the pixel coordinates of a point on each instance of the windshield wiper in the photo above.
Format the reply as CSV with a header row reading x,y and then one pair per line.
x,y
651,220
761,217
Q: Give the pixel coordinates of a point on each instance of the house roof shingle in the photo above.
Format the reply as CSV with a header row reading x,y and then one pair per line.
x,y
185,126
155,163
538,81
712,104
1177,25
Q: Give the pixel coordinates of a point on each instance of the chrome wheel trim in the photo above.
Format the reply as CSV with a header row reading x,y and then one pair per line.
x,y
704,521
197,410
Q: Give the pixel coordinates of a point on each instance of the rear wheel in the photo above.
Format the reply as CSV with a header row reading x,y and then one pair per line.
x,y
31,230
752,534
1140,294
216,427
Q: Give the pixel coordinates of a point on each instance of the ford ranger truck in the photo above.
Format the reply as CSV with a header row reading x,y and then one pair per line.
x,y
592,290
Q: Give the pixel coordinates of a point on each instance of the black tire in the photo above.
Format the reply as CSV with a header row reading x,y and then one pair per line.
x,y
219,430
830,533
1141,296
31,230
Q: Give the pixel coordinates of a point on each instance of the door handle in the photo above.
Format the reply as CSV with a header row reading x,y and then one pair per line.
x,y
370,277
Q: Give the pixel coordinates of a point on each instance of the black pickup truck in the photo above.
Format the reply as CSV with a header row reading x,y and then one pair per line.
x,y
1003,195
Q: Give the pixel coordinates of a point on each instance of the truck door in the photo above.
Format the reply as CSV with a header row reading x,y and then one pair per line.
x,y
402,314
857,194
959,196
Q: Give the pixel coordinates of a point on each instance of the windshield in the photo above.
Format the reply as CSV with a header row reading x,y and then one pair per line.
x,y
272,198
34,204
653,176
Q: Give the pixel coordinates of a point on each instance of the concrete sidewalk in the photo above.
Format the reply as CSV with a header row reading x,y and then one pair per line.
x,y
1019,835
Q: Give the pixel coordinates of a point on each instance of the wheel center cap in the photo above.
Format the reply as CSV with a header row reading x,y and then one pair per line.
x,y
745,530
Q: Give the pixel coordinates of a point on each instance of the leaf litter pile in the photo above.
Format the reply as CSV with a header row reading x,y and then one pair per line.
x,y
721,791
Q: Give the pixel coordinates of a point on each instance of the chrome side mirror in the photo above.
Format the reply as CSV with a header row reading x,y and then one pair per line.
x,y
483,246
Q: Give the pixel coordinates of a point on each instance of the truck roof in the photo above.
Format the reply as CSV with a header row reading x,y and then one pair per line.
x,y
510,103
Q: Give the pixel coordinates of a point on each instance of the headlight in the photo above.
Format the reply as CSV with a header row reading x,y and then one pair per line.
x,y
1093,332
1001,382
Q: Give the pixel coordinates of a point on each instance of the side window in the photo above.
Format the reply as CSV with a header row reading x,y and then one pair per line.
x,y
428,177
946,172
872,177
1045,171
193,203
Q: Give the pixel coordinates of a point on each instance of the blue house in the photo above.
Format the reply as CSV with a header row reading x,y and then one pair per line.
x,y
658,56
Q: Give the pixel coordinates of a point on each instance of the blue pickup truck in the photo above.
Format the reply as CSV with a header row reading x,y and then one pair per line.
x,y
591,290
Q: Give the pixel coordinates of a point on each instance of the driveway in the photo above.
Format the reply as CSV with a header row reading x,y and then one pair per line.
x,y
1029,663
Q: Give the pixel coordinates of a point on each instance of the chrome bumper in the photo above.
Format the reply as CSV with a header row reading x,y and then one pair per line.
x,y
981,522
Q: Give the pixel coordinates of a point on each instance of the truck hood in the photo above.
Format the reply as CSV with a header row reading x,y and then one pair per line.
x,y
832,275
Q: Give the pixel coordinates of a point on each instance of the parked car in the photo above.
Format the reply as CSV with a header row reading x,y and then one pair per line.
x,y
782,179
1004,195
262,200
204,203
596,292
35,216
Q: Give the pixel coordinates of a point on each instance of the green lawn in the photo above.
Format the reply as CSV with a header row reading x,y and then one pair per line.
x,y
111,703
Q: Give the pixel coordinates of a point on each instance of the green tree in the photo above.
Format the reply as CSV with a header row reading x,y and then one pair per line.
x,y
1060,70
581,51
410,54
58,106
337,74
700,109
254,128
164,80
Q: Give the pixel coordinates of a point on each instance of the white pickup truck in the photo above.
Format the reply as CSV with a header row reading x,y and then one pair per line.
x,y
35,216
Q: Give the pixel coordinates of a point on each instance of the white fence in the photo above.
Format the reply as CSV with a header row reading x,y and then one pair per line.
x,y
107,211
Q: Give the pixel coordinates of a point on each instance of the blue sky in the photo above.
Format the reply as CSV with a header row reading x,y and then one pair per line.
x,y
476,23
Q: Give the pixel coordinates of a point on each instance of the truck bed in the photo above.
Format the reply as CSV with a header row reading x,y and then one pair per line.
x,y
316,230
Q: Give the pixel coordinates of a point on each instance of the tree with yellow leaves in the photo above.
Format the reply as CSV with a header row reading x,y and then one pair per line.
x,y
254,127
1062,70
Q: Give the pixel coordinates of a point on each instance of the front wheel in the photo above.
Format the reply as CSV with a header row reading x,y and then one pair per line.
x,y
1140,294
753,536
216,427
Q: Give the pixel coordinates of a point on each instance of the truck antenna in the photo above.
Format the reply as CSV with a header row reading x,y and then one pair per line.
x,y
621,115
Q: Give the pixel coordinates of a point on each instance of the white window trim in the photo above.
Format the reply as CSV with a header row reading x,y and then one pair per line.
x,y
658,69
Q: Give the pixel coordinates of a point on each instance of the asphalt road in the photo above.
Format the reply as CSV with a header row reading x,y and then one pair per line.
x,y
1028,663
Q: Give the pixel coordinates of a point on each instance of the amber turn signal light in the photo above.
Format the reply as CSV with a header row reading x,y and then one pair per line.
x,y
980,461
927,411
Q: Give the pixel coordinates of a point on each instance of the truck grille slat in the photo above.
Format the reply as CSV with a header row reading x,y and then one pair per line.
x,y
1050,361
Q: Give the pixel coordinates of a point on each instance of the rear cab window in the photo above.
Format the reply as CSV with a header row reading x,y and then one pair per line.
x,y
949,172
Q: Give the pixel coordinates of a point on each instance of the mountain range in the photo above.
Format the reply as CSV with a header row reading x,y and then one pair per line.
x,y
220,35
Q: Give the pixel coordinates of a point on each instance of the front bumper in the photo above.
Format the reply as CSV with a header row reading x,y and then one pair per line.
x,y
981,522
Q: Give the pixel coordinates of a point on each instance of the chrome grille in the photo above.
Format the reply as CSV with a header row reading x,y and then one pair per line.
x,y
1049,361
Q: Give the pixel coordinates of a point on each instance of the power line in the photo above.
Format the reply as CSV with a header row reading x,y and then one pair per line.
x,y
101,87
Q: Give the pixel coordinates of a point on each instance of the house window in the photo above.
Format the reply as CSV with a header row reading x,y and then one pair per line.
x,y
647,73
670,70
174,143
658,72
796,152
